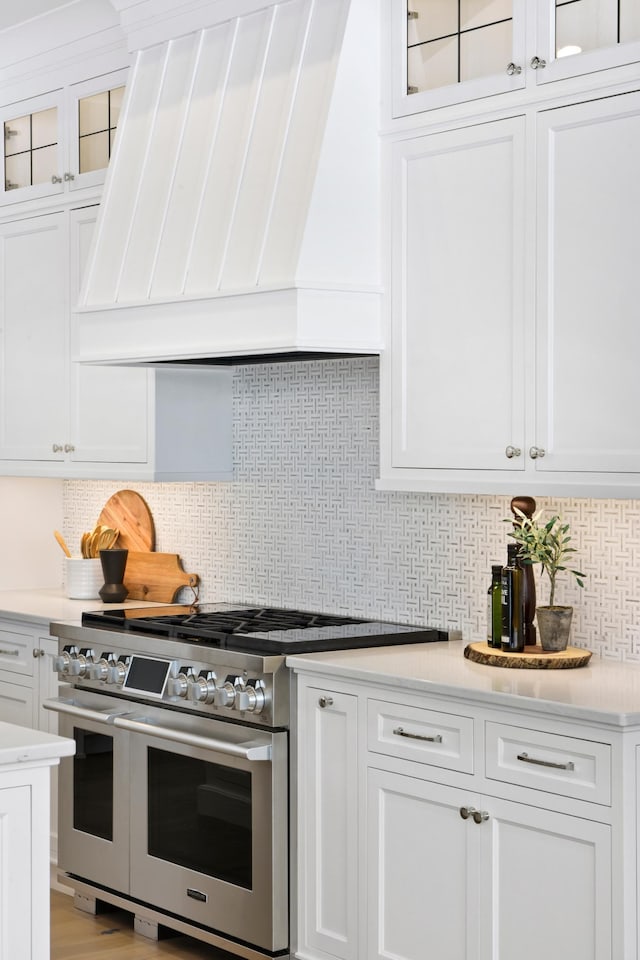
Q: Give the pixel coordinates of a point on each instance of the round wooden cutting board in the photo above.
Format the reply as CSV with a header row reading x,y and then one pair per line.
x,y
533,658
129,513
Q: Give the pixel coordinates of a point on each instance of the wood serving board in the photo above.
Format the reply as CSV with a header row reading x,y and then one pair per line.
x,y
128,512
156,576
533,658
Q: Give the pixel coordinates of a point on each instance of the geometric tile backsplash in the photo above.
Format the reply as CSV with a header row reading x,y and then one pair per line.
x,y
302,524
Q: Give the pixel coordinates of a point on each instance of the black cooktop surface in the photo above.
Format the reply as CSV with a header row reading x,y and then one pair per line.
x,y
259,629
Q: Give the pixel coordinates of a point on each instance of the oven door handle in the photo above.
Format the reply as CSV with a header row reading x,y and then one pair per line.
x,y
249,750
72,709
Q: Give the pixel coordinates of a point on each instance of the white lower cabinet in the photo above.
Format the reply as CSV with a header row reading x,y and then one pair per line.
x,y
27,680
434,827
462,875
328,809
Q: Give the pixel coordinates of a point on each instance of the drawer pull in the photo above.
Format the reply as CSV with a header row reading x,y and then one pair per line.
x,y
569,765
400,732
9,653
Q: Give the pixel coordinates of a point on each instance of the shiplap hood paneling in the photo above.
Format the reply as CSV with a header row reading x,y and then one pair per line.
x,y
240,214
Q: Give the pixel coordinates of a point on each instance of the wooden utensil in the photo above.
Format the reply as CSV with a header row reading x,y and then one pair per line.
x,y
156,576
62,542
128,512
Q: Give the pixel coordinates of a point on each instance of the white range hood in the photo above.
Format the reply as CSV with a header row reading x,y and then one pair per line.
x,y
240,214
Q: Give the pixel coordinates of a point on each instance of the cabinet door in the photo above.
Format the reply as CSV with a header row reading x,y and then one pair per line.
x,y
33,301
589,286
327,824
17,907
424,896
579,38
109,406
17,702
550,878
458,235
92,114
445,53
34,148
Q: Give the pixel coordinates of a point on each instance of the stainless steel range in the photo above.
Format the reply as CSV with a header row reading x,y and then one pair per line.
x,y
175,805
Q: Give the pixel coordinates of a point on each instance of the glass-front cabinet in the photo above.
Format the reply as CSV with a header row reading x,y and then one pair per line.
x,y
62,140
451,51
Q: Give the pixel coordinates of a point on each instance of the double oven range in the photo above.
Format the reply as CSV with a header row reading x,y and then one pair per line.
x,y
176,803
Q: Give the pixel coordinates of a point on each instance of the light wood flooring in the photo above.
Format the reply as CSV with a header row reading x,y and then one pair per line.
x,y
110,936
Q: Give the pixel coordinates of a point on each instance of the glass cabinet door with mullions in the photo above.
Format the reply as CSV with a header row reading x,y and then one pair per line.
x,y
454,50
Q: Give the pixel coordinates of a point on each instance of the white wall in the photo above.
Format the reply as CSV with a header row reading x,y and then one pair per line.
x,y
30,510
303,525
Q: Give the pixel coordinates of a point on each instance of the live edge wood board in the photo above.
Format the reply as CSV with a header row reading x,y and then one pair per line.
x,y
533,658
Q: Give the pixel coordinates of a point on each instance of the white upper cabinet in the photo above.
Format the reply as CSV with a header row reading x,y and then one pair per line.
x,y
446,52
60,141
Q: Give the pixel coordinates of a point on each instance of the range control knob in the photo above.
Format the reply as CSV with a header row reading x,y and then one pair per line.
x,y
62,663
225,694
99,669
178,686
118,670
202,689
251,697
80,664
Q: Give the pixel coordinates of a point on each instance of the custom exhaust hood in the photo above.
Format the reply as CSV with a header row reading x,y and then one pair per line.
x,y
240,215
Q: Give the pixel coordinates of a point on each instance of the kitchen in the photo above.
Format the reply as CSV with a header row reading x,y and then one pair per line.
x,y
303,524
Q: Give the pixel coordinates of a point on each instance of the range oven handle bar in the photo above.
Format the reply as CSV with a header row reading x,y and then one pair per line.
x,y
247,751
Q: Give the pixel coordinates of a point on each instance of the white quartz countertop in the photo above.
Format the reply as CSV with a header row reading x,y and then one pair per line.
x,y
23,745
51,606
602,692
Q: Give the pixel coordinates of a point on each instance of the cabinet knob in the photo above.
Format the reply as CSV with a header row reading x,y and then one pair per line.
x,y
536,453
537,64
513,69
466,812
511,452
480,816
69,448
69,176
326,701
57,448
37,652
56,179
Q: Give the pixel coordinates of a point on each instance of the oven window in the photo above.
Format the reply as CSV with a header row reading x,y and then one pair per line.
x,y
93,783
199,816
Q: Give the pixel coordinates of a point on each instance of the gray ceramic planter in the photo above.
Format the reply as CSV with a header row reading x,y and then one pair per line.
x,y
554,626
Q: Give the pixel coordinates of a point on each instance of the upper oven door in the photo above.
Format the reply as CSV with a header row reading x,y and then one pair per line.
x,y
93,808
209,825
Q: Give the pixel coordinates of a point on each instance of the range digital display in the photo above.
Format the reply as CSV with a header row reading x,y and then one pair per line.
x,y
146,675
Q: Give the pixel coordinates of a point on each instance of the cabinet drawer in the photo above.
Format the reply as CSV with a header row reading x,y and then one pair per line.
x,y
547,761
426,736
16,652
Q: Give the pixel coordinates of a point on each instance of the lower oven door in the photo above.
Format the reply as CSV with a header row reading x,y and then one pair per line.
x,y
93,792
209,825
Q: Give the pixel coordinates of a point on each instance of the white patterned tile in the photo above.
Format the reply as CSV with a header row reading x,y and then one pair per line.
x,y
302,524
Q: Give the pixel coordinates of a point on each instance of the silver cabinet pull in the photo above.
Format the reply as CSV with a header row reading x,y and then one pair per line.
x,y
537,453
57,447
569,765
400,732
513,70
9,653
480,816
69,448
537,63
511,452
466,812
325,702
56,179
69,176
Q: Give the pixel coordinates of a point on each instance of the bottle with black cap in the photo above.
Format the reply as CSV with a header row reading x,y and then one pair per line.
x,y
512,603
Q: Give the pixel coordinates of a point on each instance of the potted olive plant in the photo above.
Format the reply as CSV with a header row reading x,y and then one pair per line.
x,y
549,545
